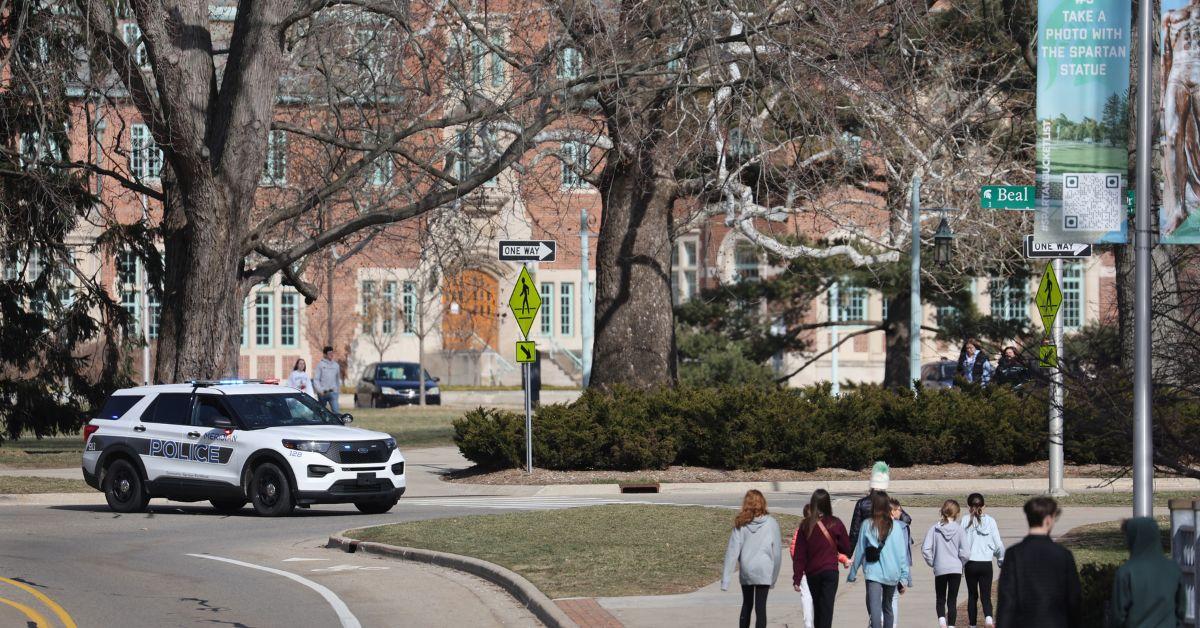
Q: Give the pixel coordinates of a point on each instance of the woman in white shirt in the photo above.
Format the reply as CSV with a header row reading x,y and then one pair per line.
x,y
299,378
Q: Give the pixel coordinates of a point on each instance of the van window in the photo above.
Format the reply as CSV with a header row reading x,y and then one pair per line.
x,y
116,406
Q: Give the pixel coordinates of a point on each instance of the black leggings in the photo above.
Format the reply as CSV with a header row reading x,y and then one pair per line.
x,y
754,596
947,596
823,587
979,588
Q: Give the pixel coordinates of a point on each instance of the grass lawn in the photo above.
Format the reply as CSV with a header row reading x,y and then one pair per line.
x,y
1015,500
47,453
411,426
19,485
1104,542
596,551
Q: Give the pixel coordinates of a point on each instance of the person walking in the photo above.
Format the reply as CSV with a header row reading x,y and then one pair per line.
x,y
984,542
299,378
328,380
1011,369
881,555
945,549
1039,584
806,598
898,514
973,365
880,479
756,549
1148,589
821,543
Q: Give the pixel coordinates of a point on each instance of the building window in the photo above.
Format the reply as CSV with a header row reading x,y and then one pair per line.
x,y
262,319
574,164
1009,299
388,316
945,313
127,268
547,290
410,307
685,263
382,170
288,316
132,35
34,149
884,304
570,63
368,52
275,168
242,335
472,150
497,69
852,303
566,308
746,262
145,158
368,306
1072,289
154,309
129,302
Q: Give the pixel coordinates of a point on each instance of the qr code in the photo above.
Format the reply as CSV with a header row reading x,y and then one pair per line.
x,y
1091,201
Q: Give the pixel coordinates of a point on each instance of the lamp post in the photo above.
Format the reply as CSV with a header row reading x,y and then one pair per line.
x,y
943,241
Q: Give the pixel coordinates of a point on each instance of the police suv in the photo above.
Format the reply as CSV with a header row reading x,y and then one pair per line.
x,y
232,442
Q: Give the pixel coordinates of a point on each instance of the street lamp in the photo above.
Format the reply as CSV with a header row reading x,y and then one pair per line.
x,y
943,243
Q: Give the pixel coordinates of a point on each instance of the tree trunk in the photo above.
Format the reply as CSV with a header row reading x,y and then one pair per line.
x,y
896,335
634,343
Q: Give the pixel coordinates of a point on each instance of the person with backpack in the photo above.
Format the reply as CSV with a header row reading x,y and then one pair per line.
x,y
755,549
945,549
1148,589
898,514
985,544
881,554
1039,583
879,481
819,546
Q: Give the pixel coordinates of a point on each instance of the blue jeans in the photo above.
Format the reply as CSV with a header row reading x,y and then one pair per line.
x,y
879,604
331,398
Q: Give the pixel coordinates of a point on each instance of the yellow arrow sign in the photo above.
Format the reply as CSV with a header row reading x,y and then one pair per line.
x,y
525,302
1048,356
526,351
1049,297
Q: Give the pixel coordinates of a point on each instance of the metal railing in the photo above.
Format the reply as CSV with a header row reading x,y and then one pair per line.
x,y
1185,515
557,348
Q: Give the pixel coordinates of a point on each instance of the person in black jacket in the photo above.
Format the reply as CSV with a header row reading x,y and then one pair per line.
x,y
880,479
1011,369
1039,584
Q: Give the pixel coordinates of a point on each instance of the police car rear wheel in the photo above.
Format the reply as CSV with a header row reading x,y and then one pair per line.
x,y
270,492
227,506
123,488
376,507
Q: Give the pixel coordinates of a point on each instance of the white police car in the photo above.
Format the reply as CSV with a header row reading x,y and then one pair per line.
x,y
233,442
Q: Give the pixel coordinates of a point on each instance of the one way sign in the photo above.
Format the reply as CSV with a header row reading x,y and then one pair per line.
x,y
528,250
1052,250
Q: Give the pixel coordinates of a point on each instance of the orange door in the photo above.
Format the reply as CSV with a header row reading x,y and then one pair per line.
x,y
476,326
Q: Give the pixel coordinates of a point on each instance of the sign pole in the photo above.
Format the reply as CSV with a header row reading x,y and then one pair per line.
x,y
1143,444
528,418
1056,404
914,307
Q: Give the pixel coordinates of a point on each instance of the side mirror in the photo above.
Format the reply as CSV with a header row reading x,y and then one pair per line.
x,y
437,379
347,418
223,423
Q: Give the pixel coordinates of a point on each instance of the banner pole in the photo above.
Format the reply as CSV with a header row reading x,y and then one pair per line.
x,y
1143,445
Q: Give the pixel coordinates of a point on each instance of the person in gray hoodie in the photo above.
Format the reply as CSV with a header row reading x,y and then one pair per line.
x,y
756,549
945,549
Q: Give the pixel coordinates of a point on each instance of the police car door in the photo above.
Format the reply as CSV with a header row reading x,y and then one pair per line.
x,y
164,432
216,452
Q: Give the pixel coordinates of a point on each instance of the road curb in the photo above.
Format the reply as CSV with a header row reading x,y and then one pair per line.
x,y
513,583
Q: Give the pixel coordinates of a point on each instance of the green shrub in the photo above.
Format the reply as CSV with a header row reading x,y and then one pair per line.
x,y
1096,582
491,438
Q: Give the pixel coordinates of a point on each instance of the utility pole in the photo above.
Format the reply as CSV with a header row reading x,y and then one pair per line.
x,y
914,312
835,305
1143,443
144,302
588,315
1056,401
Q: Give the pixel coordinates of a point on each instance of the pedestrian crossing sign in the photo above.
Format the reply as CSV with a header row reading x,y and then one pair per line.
x,y
1049,297
526,351
525,302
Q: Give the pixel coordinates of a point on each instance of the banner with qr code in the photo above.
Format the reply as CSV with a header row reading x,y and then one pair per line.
x,y
1083,121
1179,215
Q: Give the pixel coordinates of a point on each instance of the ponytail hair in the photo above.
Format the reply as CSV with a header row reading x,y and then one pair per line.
x,y
975,503
950,510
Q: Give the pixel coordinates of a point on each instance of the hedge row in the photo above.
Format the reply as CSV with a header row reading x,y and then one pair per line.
x,y
753,427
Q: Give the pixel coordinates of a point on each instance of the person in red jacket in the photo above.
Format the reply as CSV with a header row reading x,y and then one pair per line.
x,y
821,543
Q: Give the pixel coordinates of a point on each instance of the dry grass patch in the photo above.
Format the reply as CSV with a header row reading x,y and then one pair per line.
x,y
22,485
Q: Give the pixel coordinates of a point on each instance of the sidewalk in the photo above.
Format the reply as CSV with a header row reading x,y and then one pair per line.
x,y
711,607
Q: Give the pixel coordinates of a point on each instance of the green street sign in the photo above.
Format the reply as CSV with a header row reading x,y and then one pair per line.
x,y
1048,356
526,352
1007,197
525,301
1049,297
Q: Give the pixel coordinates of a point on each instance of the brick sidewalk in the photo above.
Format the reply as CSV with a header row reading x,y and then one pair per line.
x,y
588,613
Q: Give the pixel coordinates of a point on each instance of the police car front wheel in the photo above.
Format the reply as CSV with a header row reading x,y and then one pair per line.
x,y
270,492
124,489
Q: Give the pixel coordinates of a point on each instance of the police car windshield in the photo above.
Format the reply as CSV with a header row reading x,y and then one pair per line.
x,y
262,411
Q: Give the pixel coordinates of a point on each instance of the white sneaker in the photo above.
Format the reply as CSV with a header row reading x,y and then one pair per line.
x,y
942,622
989,622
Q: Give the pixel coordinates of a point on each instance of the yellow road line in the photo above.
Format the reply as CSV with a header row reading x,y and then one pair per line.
x,y
60,612
33,615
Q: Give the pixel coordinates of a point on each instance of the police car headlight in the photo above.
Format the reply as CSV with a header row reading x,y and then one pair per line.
x,y
387,390
391,443
317,446
433,391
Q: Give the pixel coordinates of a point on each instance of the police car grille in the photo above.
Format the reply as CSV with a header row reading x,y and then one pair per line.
x,y
353,453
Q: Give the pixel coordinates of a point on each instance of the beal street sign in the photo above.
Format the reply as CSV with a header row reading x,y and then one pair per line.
x,y
1007,197
1049,297
526,352
528,250
1048,356
525,301
1052,250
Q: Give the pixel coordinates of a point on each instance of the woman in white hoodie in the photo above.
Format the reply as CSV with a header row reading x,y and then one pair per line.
x,y
983,539
300,380
945,549
756,549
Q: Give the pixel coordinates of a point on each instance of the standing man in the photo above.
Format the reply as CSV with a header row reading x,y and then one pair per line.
x,y
1148,591
973,366
327,381
1039,584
